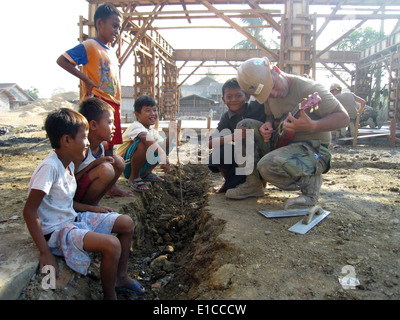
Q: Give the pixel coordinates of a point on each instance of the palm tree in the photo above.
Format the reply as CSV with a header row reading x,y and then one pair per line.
x,y
255,32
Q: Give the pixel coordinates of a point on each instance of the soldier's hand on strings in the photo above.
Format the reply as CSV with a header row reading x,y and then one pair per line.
x,y
301,124
266,131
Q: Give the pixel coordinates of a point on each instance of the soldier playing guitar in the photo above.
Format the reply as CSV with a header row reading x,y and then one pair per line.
x,y
299,165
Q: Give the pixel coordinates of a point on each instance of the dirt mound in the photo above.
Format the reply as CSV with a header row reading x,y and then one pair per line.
x,y
34,113
220,249
162,244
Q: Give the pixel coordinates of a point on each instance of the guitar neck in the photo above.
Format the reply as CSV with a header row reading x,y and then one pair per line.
x,y
296,110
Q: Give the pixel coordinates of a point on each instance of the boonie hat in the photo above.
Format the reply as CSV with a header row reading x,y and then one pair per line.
x,y
335,86
254,77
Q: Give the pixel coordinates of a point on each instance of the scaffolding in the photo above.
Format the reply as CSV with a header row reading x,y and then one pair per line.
x,y
156,62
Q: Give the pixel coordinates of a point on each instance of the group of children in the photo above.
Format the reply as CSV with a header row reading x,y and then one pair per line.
x,y
63,211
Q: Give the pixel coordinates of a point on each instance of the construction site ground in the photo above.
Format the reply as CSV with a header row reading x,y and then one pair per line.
x,y
193,244
208,247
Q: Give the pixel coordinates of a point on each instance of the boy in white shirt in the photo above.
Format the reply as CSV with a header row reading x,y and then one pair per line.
x,y
137,139
61,227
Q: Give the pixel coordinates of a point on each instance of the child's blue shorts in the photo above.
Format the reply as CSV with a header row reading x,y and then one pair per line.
x,y
153,159
68,240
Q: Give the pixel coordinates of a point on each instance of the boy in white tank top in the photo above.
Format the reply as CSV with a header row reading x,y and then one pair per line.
x,y
97,174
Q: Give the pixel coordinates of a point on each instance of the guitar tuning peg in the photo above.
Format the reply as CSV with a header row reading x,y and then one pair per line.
x,y
316,107
311,110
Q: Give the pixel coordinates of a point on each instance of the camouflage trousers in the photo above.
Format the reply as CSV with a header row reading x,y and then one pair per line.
x,y
289,167
257,144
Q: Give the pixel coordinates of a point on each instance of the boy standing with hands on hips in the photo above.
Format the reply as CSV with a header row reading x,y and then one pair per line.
x,y
100,71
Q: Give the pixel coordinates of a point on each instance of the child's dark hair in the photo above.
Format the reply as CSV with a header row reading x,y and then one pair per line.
x,y
104,11
231,83
63,121
93,108
143,101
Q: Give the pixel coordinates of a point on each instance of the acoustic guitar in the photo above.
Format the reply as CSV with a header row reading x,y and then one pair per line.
x,y
280,137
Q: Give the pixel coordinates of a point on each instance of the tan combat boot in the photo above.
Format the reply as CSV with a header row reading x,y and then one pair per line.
x,y
310,193
252,187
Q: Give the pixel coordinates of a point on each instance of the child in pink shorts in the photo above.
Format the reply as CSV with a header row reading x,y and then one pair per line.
x,y
59,226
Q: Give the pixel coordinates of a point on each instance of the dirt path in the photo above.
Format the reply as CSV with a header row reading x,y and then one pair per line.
x,y
225,249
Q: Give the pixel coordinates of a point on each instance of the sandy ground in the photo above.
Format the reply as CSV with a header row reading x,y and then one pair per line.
x,y
224,249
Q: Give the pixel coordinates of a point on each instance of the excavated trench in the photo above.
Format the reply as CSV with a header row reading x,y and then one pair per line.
x,y
169,233
174,244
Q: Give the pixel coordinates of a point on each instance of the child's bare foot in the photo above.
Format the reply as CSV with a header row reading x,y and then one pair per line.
x,y
152,177
115,191
127,283
221,189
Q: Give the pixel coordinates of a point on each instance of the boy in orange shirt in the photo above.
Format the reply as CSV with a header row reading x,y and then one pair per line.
x,y
100,71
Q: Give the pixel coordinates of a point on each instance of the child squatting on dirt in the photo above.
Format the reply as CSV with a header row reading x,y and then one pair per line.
x,y
97,174
58,227
239,109
142,147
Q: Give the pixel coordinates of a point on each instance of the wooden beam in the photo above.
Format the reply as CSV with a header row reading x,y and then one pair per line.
x,y
345,35
346,69
140,34
234,25
244,54
216,54
184,8
182,66
179,85
199,27
183,13
238,2
328,19
335,74
265,15
340,38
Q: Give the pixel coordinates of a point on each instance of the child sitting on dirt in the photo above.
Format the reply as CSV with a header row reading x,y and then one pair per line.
x,y
137,139
236,101
97,173
61,227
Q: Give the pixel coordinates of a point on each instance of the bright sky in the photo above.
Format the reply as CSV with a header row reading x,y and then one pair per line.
x,y
35,33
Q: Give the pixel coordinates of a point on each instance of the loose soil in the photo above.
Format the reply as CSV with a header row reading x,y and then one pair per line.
x,y
204,246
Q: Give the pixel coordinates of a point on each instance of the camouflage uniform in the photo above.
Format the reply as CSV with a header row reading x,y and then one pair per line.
x,y
290,167
253,186
298,165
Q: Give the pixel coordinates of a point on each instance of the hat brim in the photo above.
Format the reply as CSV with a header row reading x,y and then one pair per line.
x,y
266,90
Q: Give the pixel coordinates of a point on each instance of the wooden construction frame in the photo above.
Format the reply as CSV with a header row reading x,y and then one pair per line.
x,y
156,69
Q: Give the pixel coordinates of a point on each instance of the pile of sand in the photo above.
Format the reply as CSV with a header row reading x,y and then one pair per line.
x,y
36,112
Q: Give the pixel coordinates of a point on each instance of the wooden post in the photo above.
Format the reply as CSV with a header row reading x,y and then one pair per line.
x,y
393,133
356,130
178,131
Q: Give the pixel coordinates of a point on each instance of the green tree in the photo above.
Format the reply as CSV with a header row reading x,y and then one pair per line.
x,y
360,39
256,33
33,92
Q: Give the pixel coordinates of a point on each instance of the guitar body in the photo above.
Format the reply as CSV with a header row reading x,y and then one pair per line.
x,y
281,137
